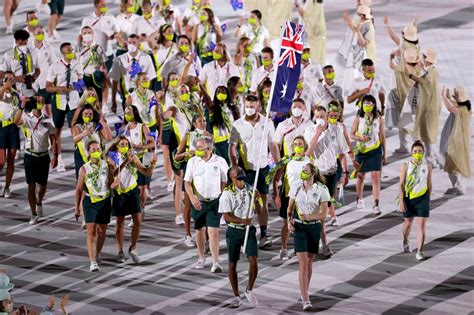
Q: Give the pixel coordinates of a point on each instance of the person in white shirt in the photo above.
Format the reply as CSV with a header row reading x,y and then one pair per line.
x,y
370,84
104,26
170,13
124,22
327,143
92,58
311,70
177,62
258,34
308,92
307,209
39,133
234,204
248,135
265,71
59,81
147,23
217,73
191,15
293,126
206,35
31,23
22,63
328,90
43,52
125,69
163,46
247,61
204,172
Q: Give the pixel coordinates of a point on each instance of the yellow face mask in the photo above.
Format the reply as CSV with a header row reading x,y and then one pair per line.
x,y
33,23
174,83
39,37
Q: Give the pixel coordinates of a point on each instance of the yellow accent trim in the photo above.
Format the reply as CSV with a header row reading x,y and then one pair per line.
x,y
126,190
243,157
418,194
82,151
371,148
217,137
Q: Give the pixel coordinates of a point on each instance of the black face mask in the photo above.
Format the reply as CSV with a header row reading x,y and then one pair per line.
x,y
241,174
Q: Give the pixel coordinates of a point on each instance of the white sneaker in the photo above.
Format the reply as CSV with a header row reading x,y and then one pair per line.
x,y
264,242
170,186
34,220
6,193
179,219
134,255
327,251
113,222
360,204
216,268
189,242
84,227
148,194
94,267
56,35
333,221
251,298
307,306
406,247
9,29
130,224
222,221
376,210
201,263
236,302
39,210
420,255
60,168
284,254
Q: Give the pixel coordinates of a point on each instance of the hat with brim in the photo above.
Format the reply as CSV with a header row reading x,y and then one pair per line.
x,y
461,94
365,10
410,33
410,55
4,295
431,55
366,2
5,283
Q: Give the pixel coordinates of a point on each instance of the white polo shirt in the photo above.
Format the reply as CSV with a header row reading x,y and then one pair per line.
x,y
215,75
310,96
91,57
206,177
260,75
140,25
312,72
104,27
236,201
38,132
124,23
376,87
57,75
329,93
11,62
121,68
249,138
331,143
45,57
287,131
307,202
292,173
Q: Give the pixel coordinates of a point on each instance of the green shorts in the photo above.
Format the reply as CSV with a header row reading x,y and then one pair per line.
x,y
262,187
235,240
306,237
9,137
60,115
284,206
127,203
97,212
57,7
207,216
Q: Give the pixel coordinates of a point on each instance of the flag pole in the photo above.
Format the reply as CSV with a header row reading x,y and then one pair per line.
x,y
267,116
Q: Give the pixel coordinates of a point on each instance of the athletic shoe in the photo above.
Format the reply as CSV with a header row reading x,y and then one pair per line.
x,y
84,227
6,193
39,210
34,220
121,257
216,268
60,168
98,259
56,35
307,306
360,204
284,254
201,263
134,255
406,247
170,186
299,300
130,224
236,302
334,221
420,255
94,267
251,298
179,219
376,210
113,222
9,29
264,242
148,194
189,242
327,252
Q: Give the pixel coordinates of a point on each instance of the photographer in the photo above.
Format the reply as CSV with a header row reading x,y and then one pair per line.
x,y
20,61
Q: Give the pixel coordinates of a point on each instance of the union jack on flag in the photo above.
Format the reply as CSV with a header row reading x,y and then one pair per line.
x,y
289,68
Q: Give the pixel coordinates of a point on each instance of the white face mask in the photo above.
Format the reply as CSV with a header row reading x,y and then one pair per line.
x,y
320,122
132,48
250,111
296,112
87,38
23,49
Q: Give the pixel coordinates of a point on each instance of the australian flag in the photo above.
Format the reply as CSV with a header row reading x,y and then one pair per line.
x,y
237,4
289,67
